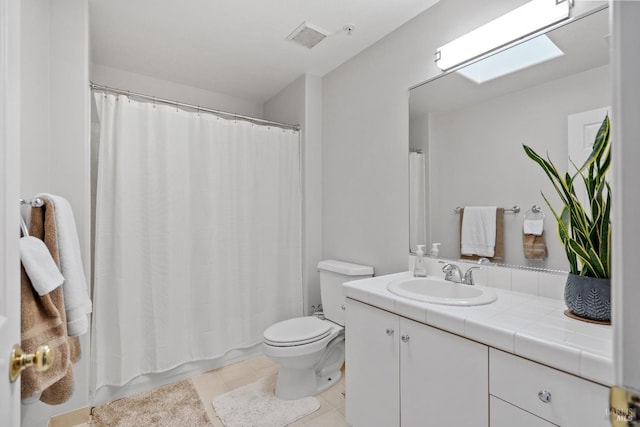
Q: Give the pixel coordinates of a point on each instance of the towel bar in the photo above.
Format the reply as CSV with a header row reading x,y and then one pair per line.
x,y
34,203
515,209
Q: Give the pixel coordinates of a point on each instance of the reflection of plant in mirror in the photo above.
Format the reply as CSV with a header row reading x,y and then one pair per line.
x,y
585,231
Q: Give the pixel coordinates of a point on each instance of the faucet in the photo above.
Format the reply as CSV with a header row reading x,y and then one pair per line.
x,y
468,276
454,274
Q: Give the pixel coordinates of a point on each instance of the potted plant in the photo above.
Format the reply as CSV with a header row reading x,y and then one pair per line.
x,y
585,230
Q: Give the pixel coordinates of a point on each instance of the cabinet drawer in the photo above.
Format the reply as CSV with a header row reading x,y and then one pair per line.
x,y
572,401
504,414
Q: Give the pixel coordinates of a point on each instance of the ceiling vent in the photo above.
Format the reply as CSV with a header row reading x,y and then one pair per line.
x,y
307,35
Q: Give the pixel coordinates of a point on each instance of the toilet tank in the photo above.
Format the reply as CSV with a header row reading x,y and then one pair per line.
x,y
333,274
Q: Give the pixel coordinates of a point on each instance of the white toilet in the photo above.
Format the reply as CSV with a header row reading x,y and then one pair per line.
x,y
309,351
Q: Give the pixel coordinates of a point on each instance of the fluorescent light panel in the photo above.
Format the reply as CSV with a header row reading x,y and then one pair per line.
x,y
532,52
516,24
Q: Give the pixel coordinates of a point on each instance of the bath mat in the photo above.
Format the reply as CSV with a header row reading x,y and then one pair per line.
x,y
255,405
174,404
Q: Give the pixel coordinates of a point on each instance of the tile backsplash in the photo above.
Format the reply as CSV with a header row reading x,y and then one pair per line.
x,y
542,283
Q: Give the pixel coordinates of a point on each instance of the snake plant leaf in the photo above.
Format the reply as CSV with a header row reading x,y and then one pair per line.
x,y
584,230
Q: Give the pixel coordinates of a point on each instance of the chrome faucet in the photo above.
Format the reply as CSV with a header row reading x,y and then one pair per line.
x,y
468,276
453,273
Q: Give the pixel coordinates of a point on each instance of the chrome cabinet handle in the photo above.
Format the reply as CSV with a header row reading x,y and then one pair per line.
x,y
390,331
405,338
544,396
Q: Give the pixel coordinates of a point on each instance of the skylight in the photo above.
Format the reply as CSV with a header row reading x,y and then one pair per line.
x,y
518,57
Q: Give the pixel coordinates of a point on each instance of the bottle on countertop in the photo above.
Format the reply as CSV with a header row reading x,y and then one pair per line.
x,y
419,268
435,250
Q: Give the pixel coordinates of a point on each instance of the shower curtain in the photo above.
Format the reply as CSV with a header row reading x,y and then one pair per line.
x,y
198,236
417,201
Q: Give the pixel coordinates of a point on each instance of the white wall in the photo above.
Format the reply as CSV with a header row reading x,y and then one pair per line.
x,y
476,158
35,93
300,103
122,79
365,132
626,198
54,146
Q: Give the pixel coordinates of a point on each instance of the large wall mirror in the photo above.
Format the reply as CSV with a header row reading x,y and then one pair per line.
x,y
466,138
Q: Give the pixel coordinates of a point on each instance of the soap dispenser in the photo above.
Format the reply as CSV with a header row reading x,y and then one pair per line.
x,y
435,250
419,268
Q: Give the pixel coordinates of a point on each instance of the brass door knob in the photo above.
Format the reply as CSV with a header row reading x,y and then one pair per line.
x,y
42,359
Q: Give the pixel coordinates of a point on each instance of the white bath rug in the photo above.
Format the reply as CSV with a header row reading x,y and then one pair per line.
x,y
255,405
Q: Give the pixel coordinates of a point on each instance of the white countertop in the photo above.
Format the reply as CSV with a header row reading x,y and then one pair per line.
x,y
530,326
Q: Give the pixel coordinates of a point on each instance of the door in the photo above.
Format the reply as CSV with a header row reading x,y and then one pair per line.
x,y
9,208
371,371
444,378
582,129
626,232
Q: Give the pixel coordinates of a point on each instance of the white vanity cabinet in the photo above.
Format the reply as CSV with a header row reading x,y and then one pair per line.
x,y
372,375
504,414
405,373
531,388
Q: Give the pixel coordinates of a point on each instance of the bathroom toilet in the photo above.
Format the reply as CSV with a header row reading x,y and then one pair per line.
x,y
309,350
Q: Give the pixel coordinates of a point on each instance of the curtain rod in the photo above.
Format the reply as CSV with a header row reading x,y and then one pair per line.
x,y
98,87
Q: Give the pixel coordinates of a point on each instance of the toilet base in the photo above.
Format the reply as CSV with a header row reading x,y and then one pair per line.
x,y
298,383
295,384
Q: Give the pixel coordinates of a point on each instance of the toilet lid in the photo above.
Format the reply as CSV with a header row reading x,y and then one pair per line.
x,y
300,330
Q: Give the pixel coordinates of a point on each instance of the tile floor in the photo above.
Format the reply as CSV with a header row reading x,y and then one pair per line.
x,y
219,381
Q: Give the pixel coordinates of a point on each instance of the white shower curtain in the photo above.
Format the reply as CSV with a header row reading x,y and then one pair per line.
x,y
198,236
417,201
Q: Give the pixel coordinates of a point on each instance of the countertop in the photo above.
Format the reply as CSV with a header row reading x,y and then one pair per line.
x,y
530,326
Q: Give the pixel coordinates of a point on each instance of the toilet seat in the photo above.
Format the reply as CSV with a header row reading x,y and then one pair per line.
x,y
297,331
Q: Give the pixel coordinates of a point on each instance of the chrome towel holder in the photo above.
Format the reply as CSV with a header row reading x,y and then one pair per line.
x,y
515,209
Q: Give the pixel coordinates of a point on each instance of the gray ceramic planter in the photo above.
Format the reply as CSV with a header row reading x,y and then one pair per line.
x,y
588,297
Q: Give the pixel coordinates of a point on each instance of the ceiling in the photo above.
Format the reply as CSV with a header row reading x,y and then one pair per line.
x,y
237,47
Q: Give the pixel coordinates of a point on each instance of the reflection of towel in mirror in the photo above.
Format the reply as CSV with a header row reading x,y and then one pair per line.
x,y
478,232
498,253
535,247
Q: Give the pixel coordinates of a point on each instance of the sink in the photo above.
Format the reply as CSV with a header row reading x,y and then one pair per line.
x,y
439,291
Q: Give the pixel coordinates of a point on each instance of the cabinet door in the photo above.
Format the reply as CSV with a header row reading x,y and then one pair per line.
x,y
504,414
444,378
372,389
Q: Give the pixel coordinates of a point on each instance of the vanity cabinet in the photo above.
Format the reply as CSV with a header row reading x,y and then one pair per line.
x,y
504,414
557,397
405,373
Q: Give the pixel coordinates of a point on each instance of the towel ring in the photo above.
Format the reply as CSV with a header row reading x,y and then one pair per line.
x,y
535,213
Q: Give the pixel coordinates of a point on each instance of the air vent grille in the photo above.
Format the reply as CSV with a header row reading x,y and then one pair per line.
x,y
307,35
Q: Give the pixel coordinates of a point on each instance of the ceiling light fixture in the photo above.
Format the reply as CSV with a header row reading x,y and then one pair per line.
x,y
519,23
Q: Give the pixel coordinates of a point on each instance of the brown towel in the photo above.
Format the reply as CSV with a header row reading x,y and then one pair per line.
x,y
535,247
57,383
498,253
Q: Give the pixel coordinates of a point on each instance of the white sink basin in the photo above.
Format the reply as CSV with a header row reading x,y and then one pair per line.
x,y
439,291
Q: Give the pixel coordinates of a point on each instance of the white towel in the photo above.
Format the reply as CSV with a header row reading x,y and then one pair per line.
x,y
478,234
533,226
39,266
76,298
